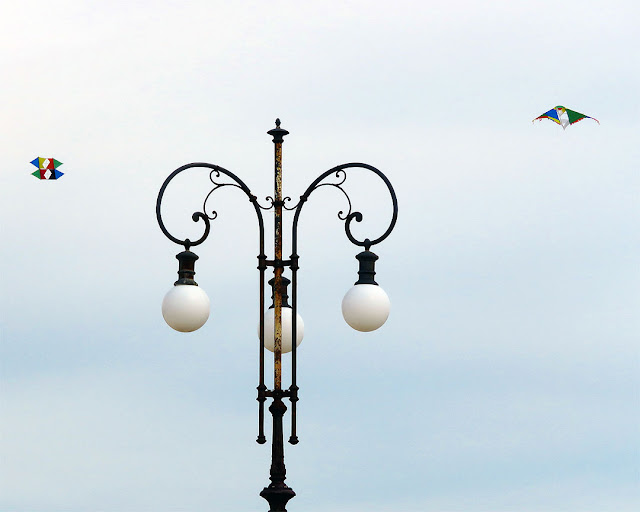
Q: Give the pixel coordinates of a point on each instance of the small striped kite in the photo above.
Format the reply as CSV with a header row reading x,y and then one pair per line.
x,y
47,168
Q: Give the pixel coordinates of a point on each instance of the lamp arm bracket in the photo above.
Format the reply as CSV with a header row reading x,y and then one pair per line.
x,y
279,393
340,174
278,263
205,215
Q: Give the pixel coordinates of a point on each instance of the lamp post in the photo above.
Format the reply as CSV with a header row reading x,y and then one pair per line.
x,y
365,307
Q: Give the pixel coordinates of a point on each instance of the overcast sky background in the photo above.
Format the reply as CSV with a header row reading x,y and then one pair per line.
x,y
507,376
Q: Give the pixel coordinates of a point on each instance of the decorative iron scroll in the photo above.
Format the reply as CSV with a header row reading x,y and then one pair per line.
x,y
214,175
341,177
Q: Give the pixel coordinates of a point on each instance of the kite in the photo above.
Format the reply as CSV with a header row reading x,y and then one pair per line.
x,y
47,168
557,115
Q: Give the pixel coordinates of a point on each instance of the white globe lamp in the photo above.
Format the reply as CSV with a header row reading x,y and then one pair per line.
x,y
366,306
287,329
185,307
286,316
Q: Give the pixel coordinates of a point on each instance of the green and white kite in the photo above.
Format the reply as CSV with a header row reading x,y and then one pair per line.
x,y
564,117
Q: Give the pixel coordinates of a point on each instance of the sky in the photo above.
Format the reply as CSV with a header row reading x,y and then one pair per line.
x,y
507,375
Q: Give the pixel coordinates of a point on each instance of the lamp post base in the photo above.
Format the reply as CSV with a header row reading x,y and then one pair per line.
x,y
277,496
277,493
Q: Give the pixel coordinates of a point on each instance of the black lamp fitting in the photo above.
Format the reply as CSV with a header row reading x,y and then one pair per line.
x,y
186,268
285,297
366,271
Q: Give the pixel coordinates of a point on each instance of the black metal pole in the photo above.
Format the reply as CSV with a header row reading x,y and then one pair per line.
x,y
277,493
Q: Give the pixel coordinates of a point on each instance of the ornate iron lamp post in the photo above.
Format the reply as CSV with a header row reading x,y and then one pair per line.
x,y
365,307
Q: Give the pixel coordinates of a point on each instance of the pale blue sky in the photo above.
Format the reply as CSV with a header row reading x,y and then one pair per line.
x,y
507,376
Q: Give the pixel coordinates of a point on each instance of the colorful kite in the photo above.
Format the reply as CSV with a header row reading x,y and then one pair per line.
x,y
47,168
564,117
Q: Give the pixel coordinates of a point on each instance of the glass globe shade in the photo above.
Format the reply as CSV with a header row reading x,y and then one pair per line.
x,y
366,307
185,307
287,328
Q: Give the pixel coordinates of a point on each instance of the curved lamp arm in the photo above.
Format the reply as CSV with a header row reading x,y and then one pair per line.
x,y
216,171
341,175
